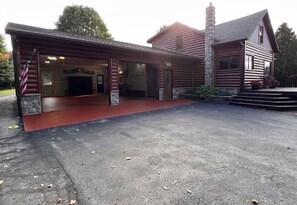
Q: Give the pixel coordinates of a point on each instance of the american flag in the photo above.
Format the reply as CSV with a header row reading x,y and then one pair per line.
x,y
24,74
24,77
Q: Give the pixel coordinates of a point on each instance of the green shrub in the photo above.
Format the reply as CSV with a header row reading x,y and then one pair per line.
x,y
204,91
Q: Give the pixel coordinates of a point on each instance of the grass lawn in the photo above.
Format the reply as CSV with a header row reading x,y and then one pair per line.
x,y
4,91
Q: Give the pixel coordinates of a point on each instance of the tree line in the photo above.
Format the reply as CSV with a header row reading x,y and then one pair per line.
x,y
86,21
286,59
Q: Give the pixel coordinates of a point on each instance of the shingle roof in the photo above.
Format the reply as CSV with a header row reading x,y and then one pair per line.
x,y
13,28
238,29
235,30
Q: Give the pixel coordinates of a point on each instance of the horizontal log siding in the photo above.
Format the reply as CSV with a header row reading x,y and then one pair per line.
x,y
260,55
185,74
114,82
199,74
193,42
33,71
229,78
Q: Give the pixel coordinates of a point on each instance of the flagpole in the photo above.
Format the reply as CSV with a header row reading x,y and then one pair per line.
x,y
28,62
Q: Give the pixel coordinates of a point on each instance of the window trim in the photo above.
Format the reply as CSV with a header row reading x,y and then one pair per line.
x,y
247,62
261,34
229,62
179,44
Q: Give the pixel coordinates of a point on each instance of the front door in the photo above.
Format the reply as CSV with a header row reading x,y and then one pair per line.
x,y
167,84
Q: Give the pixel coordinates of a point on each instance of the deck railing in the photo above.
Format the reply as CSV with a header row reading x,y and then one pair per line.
x,y
287,82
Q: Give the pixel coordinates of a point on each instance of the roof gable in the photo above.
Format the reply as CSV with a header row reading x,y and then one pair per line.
x,y
238,29
243,28
172,27
235,30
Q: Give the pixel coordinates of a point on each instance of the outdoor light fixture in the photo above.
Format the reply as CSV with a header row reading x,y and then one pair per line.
x,y
47,62
61,58
52,58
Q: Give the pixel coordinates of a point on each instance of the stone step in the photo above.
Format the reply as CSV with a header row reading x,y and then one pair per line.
x,y
266,106
260,94
262,97
260,101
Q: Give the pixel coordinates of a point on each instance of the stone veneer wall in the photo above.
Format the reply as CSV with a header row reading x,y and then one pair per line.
x,y
209,41
177,92
31,104
232,91
114,97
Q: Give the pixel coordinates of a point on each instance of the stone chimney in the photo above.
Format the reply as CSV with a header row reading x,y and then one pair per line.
x,y
209,41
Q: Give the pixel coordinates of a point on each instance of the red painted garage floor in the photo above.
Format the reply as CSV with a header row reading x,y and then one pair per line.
x,y
60,111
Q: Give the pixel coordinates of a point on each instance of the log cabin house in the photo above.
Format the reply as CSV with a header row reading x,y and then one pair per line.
x,y
228,55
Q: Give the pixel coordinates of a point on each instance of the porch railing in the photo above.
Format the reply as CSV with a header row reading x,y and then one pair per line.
x,y
287,82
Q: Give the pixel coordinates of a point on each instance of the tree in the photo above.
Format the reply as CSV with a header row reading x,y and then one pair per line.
x,y
286,61
6,71
82,20
6,66
2,45
161,28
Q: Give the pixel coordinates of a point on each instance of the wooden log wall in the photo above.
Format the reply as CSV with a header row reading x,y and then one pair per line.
x,y
187,74
193,41
260,56
114,78
228,78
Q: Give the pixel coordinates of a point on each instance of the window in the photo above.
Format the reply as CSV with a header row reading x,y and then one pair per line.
x,y
179,42
267,67
261,34
249,62
230,62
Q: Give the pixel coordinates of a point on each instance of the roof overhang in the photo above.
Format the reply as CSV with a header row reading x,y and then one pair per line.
x,y
270,33
41,33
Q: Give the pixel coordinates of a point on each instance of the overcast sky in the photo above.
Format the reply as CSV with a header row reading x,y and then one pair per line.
x,y
135,21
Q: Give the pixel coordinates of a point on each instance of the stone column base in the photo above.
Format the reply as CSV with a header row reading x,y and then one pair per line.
x,y
31,104
161,94
114,97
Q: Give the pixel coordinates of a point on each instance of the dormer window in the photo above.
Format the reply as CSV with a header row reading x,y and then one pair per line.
x,y
261,34
179,42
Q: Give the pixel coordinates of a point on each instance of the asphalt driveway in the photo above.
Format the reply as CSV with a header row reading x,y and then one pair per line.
x,y
194,154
